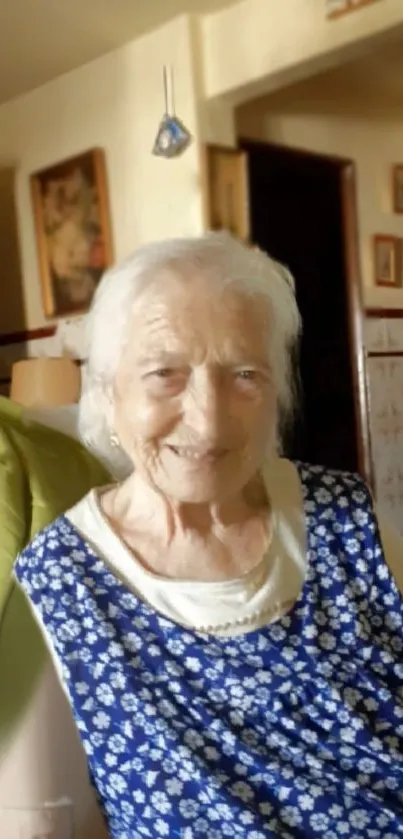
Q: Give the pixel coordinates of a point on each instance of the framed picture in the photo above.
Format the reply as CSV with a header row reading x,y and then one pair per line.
x,y
73,233
388,261
226,190
357,4
397,187
334,8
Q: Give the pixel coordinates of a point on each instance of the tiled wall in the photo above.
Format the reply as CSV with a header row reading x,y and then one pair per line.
x,y
384,343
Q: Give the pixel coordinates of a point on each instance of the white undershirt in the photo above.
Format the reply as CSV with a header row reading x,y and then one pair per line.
x,y
227,607
224,607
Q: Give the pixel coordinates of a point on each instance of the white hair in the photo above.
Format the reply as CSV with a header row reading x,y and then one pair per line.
x,y
229,263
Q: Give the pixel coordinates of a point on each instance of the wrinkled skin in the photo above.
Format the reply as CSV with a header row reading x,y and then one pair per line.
x,y
195,410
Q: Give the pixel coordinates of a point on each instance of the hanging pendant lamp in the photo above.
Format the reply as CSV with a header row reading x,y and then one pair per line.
x,y
172,136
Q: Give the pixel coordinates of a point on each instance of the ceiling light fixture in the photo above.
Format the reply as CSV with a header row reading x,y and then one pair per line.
x,y
172,136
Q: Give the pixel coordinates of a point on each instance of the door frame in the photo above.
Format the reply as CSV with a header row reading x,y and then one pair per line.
x,y
348,191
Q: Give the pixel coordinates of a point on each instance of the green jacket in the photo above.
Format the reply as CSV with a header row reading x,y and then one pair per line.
x,y
42,474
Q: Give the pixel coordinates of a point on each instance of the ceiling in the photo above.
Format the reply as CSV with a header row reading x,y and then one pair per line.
x,y
369,86
41,39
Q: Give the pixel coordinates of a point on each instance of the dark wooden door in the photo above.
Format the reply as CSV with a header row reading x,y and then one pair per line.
x,y
296,206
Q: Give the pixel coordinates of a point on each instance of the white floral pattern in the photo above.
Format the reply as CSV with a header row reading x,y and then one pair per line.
x,y
293,730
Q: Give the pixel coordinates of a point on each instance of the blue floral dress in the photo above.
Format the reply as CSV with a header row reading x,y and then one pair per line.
x,y
292,730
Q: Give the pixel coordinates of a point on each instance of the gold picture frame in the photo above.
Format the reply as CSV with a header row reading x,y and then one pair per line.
x,y
336,8
358,4
226,190
387,261
73,231
397,187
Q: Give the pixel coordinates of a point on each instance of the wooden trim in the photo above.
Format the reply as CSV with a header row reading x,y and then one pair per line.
x,y
397,169
41,247
203,158
347,170
28,335
385,354
104,207
383,313
355,309
247,144
216,147
218,212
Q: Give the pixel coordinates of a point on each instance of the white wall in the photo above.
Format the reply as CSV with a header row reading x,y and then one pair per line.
x,y
116,103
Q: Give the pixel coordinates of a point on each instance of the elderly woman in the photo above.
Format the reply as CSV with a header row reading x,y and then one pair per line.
x,y
225,623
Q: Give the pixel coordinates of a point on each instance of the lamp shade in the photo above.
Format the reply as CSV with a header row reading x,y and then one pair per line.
x,y
45,382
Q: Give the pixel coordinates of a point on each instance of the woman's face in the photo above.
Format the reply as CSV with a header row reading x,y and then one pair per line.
x,y
195,407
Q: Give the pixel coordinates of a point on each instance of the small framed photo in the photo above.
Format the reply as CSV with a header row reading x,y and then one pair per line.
x,y
397,187
357,4
334,8
388,261
73,234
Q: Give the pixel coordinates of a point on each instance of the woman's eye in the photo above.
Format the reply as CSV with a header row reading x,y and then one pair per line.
x,y
247,375
163,373
167,379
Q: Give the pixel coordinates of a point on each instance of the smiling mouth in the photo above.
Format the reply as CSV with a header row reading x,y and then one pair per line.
x,y
196,454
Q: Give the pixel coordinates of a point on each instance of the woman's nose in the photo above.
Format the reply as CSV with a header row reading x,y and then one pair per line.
x,y
204,408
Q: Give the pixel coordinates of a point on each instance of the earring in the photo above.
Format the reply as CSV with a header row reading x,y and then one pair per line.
x,y
114,440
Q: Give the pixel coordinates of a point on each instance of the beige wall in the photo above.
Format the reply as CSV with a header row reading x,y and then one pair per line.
x,y
115,102
257,46
374,144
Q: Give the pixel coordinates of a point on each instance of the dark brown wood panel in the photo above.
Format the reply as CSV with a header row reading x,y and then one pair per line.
x,y
303,213
28,335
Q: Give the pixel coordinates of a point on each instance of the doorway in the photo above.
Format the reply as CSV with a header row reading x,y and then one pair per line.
x,y
302,212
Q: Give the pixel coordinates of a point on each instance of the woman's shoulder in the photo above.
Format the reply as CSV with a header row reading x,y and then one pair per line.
x,y
292,477
313,476
55,536
59,538
69,536
301,493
